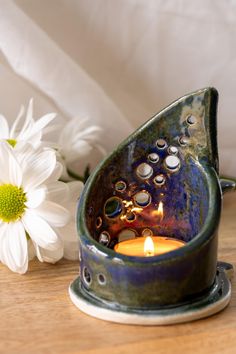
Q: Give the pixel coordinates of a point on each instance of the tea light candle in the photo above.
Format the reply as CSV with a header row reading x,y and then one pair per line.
x,y
148,246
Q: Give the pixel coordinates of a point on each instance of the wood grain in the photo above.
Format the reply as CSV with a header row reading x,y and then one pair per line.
x,y
37,316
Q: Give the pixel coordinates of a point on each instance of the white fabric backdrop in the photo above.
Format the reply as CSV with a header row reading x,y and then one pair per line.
x,y
117,62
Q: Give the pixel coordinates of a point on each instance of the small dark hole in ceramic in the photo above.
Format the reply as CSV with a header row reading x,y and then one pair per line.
x,y
113,207
130,217
87,276
101,279
120,186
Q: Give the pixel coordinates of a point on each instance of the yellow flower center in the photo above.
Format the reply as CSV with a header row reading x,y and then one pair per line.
x,y
12,202
12,142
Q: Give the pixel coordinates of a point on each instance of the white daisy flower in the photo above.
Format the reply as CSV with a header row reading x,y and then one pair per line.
x,y
69,231
30,131
25,212
76,141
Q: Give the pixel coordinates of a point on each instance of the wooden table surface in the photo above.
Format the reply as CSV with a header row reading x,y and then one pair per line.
x,y
37,316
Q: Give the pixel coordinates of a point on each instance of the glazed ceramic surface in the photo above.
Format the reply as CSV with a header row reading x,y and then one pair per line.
x,y
215,300
171,162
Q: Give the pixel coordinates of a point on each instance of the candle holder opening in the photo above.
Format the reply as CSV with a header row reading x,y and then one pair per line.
x,y
162,184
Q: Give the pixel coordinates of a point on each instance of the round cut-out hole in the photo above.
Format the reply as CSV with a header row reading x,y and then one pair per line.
x,y
159,180
87,276
173,150
147,232
101,279
113,207
120,186
98,222
142,199
144,170
153,157
130,217
184,140
172,163
126,234
191,119
161,144
104,238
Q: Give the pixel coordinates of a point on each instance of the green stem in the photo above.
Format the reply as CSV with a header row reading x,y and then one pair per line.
x,y
227,184
233,179
74,175
62,180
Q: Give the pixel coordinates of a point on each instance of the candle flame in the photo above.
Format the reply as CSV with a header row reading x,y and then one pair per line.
x,y
148,247
159,212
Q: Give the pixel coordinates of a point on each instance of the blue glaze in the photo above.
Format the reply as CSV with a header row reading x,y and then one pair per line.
x,y
192,202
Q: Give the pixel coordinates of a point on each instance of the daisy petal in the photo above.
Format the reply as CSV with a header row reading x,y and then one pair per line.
x,y
71,242
38,169
16,123
71,155
28,119
56,174
40,124
35,197
49,256
9,167
69,233
35,139
15,172
37,251
71,251
4,128
3,227
75,188
40,231
58,192
24,151
53,213
31,250
36,128
4,163
14,249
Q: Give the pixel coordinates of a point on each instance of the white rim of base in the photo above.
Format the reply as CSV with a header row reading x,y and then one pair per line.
x,y
149,319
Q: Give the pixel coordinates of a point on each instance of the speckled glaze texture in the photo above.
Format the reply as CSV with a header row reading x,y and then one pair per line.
x,y
191,198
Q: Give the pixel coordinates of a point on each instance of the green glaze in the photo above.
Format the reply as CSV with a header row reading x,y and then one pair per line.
x,y
191,196
220,290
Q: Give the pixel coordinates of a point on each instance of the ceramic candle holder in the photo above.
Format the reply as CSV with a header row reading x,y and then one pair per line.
x,y
172,162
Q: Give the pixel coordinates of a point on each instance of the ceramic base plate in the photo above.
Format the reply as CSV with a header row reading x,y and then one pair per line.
x,y
209,304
